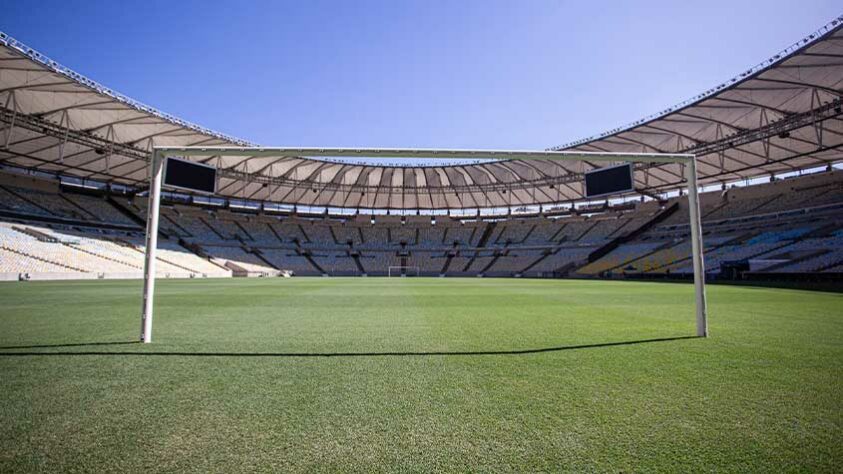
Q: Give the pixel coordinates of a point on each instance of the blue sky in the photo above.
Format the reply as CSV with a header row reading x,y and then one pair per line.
x,y
463,74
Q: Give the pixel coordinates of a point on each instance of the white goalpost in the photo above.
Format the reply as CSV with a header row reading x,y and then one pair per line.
x,y
158,155
406,270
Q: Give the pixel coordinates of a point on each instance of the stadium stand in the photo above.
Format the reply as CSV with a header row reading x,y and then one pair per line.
x,y
99,209
15,203
790,226
51,232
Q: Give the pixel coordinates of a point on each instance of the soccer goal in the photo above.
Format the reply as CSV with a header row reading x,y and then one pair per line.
x,y
403,271
600,182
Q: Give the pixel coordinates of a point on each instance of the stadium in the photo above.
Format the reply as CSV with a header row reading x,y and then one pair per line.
x,y
434,310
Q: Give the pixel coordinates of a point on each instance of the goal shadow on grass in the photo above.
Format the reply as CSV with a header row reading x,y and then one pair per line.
x,y
78,344
316,354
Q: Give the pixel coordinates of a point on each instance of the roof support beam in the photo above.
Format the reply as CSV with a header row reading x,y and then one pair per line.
x,y
804,85
440,154
35,86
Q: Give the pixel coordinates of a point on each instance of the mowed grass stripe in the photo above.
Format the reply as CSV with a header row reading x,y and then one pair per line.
x,y
762,394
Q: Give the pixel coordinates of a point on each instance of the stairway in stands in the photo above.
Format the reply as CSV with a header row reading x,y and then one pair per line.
x,y
334,235
257,253
74,246
125,211
484,238
491,262
27,200
490,228
131,246
75,269
356,258
310,260
86,213
275,233
447,264
208,225
99,255
535,262
618,241
314,264
34,233
245,232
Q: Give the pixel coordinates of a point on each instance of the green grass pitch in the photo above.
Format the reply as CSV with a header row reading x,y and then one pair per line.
x,y
418,375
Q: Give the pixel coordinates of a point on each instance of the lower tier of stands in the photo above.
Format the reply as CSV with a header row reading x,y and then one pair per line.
x,y
33,251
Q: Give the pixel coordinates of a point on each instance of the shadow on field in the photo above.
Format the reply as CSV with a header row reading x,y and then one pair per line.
x,y
320,354
79,344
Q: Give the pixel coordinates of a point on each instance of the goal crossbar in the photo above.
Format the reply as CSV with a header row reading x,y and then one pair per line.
x,y
159,153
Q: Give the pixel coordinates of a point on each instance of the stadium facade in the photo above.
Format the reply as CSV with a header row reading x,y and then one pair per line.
x,y
74,157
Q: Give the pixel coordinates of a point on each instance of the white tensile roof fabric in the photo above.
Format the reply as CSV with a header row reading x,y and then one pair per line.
x,y
782,115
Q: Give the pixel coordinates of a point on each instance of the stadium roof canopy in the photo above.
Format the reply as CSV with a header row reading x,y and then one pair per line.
x,y
781,115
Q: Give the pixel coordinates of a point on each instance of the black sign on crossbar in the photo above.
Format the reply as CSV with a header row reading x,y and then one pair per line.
x,y
608,181
190,176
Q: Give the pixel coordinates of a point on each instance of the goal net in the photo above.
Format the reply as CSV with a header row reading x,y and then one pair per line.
x,y
399,271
